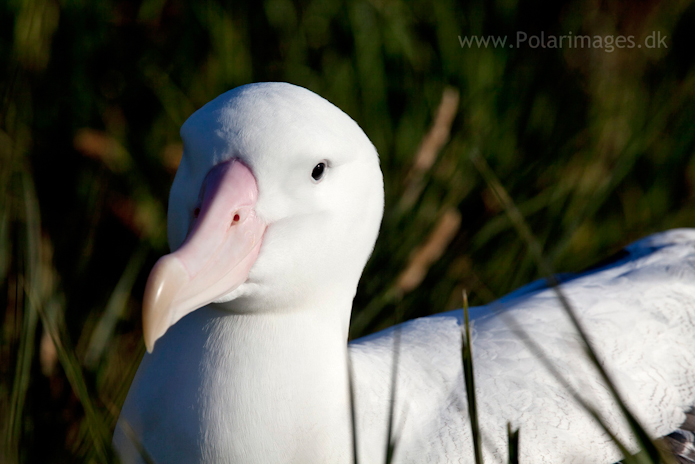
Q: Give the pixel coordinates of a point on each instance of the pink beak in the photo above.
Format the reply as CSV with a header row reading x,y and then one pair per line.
x,y
216,256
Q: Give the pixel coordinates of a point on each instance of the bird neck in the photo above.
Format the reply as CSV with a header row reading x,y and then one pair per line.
x,y
278,381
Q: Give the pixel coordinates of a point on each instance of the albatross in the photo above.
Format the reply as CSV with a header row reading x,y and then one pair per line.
x,y
273,214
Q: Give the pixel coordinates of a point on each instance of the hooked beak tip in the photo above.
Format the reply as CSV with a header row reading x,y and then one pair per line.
x,y
167,277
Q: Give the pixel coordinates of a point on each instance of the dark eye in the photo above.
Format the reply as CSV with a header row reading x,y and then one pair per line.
x,y
318,171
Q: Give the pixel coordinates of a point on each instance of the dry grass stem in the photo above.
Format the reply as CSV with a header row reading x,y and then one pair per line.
x,y
431,145
171,156
430,251
103,147
438,134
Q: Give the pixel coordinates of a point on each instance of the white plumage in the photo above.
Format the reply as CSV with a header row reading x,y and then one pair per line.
x,y
262,375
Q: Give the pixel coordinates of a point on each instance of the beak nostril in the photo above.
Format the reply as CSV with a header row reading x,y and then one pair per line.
x,y
239,216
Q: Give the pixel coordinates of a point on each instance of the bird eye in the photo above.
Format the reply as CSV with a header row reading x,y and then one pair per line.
x,y
319,171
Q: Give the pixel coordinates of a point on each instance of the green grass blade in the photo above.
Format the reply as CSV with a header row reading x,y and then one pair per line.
x,y
534,247
28,281
58,333
104,330
536,350
55,326
391,439
469,378
513,444
353,412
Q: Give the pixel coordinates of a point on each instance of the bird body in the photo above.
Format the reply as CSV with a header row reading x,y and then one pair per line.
x,y
259,370
646,348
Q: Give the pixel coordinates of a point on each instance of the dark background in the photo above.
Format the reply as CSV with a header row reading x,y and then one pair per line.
x,y
594,146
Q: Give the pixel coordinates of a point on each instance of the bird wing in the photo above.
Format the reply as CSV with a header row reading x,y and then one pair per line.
x,y
639,313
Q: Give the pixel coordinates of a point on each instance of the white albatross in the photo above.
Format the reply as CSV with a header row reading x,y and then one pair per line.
x,y
273,214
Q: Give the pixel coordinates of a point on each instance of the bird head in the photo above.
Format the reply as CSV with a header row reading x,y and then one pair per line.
x,y
276,205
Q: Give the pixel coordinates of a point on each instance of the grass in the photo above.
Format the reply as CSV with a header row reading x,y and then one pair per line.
x,y
469,377
648,451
